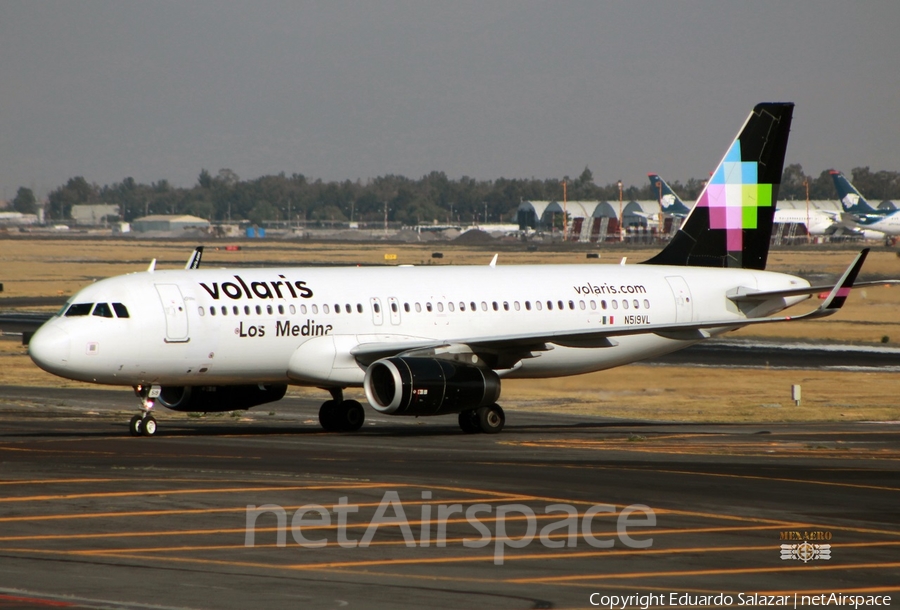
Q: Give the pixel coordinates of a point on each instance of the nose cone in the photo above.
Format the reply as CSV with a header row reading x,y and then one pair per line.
x,y
49,348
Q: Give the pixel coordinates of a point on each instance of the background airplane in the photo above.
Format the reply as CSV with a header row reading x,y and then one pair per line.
x,y
425,341
859,213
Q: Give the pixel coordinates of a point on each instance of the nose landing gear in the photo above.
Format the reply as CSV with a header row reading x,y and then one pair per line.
x,y
144,424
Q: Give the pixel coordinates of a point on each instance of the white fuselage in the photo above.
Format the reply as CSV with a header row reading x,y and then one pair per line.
x,y
888,225
298,325
816,222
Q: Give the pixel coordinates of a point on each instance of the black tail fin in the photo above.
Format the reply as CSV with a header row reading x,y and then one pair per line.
x,y
731,223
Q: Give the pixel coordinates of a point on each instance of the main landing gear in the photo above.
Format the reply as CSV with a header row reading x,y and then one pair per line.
x,y
144,424
488,419
339,415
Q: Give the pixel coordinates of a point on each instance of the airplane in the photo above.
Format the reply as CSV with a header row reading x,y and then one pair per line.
x,y
427,341
860,214
817,222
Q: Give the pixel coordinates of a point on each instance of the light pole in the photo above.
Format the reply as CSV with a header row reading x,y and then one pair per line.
x,y
565,212
806,184
621,218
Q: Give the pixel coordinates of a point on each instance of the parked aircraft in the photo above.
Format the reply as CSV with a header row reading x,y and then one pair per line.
x,y
436,340
860,214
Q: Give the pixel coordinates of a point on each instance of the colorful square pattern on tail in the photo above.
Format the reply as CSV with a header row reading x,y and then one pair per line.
x,y
733,196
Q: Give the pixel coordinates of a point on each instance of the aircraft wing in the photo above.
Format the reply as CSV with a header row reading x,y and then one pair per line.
x,y
517,346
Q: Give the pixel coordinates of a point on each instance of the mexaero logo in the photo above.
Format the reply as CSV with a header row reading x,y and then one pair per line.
x,y
285,289
850,200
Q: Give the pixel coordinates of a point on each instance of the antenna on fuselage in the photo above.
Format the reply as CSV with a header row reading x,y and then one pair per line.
x,y
194,261
494,260
152,266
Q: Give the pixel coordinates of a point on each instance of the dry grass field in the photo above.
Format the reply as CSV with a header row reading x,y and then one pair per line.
x,y
58,267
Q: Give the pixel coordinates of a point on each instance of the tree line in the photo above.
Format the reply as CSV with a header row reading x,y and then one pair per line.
x,y
432,198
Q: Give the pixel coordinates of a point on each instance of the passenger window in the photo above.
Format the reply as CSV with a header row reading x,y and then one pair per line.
x,y
347,308
406,307
462,306
225,310
549,305
292,309
303,309
615,304
79,309
376,307
246,310
624,303
594,305
359,307
258,310
517,306
202,311
102,310
528,305
428,307
636,304
121,310
646,304
495,306
234,309
483,306
505,305
440,306
538,305
560,305
281,309
472,306
451,306
394,307
269,309
418,308
337,308
212,310
571,304
603,304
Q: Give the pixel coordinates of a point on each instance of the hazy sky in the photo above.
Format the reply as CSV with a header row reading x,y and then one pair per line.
x,y
487,89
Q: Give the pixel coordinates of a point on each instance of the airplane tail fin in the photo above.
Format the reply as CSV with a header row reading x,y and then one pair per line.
x,y
731,223
669,201
851,199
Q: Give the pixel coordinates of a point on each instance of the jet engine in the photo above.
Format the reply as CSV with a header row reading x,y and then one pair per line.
x,y
211,399
428,386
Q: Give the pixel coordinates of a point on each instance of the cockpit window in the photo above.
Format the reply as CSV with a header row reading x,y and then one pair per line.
x,y
121,310
103,310
79,309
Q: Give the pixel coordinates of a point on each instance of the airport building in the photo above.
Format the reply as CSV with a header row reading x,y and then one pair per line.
x,y
168,223
95,214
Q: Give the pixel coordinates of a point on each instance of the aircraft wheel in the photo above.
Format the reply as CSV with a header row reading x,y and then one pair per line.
x,y
148,427
468,421
352,416
135,426
491,419
329,416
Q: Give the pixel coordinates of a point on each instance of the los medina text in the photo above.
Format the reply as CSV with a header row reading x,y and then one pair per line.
x,y
285,328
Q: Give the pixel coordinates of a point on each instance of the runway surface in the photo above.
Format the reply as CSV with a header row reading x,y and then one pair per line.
x,y
90,517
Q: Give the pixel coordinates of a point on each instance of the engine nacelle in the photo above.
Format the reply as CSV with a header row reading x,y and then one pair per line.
x,y
428,386
212,399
